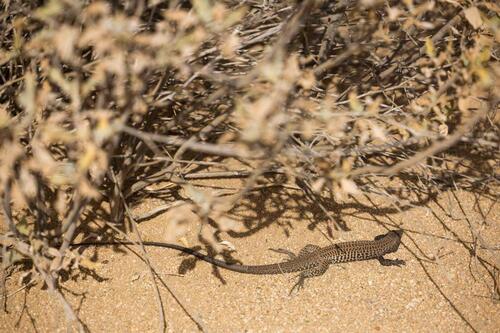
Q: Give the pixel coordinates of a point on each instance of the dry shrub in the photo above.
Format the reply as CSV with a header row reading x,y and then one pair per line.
x,y
101,99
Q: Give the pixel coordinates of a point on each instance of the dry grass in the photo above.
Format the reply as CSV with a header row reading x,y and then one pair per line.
x,y
98,101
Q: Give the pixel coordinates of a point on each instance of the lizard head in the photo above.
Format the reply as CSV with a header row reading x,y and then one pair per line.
x,y
392,238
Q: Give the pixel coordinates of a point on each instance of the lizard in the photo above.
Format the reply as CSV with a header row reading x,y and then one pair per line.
x,y
311,261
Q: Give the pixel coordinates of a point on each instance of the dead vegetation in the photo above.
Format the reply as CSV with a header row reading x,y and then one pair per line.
x,y
100,101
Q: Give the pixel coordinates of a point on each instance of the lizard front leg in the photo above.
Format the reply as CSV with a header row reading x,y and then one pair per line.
x,y
390,262
318,270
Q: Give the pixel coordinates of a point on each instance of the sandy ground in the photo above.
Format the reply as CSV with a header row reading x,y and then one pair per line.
x,y
442,287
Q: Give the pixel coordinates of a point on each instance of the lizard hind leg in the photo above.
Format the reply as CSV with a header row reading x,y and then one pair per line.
x,y
309,273
308,249
290,254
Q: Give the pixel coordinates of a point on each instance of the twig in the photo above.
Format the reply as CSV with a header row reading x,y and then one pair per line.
x,y
3,279
69,226
206,163
158,210
207,148
5,295
225,174
161,309
7,213
337,60
10,82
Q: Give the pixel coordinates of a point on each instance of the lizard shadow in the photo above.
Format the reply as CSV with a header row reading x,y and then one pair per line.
x,y
189,263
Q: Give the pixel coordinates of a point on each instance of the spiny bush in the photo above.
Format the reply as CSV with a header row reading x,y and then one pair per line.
x,y
101,99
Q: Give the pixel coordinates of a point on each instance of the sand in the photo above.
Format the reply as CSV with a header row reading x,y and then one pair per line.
x,y
442,287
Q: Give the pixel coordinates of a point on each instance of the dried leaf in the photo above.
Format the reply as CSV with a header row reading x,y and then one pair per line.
x,y
203,9
307,80
202,199
393,13
234,16
28,183
28,97
228,245
12,258
443,130
429,48
178,221
378,133
317,185
230,45
65,41
63,174
208,234
228,224
23,227
183,240
348,186
473,15
354,103
5,118
87,159
88,264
